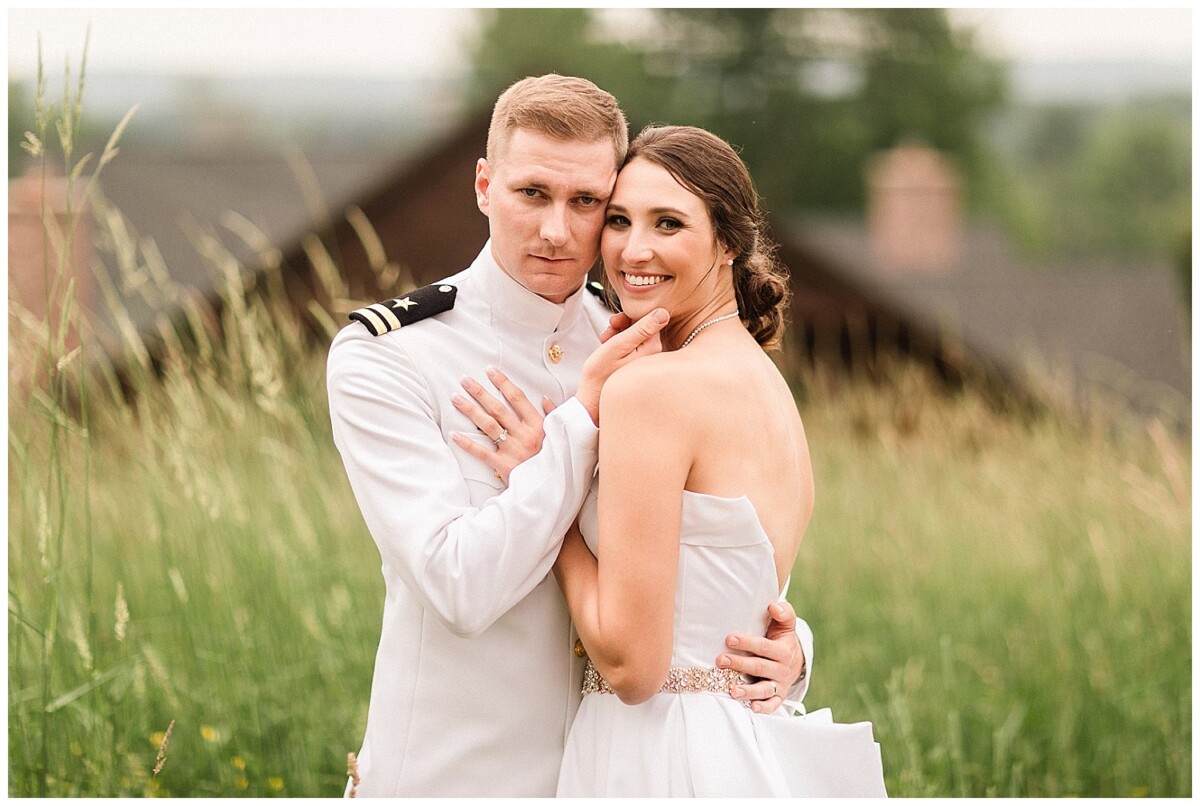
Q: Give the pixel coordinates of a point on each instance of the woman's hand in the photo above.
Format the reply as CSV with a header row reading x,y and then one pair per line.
x,y
622,341
515,429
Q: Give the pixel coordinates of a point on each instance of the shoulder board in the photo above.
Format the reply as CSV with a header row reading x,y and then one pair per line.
x,y
392,314
597,290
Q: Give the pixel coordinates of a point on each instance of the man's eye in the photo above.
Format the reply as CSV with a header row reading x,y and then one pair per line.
x,y
588,201
531,193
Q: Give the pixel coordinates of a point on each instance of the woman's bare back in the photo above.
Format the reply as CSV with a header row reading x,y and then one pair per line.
x,y
738,411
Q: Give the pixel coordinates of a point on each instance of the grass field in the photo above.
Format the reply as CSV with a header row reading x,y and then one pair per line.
x,y
1007,597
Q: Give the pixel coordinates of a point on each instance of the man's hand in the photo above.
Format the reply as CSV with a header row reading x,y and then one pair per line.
x,y
515,429
621,342
776,659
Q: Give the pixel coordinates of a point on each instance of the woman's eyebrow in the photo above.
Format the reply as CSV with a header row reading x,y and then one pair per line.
x,y
654,211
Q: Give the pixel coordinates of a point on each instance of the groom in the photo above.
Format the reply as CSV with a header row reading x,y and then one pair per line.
x,y
478,671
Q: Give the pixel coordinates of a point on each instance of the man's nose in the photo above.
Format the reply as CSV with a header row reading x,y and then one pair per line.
x,y
554,225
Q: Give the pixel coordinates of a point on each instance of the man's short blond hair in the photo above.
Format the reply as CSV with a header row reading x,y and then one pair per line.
x,y
562,107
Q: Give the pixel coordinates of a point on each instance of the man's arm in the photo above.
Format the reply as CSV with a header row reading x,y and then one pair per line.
x,y
468,565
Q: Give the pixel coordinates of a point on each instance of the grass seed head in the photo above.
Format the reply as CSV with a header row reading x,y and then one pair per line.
x,y
161,759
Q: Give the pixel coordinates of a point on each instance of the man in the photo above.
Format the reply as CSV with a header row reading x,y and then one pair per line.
x,y
478,672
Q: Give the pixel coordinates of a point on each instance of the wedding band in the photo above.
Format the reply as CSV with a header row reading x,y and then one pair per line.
x,y
503,436
774,688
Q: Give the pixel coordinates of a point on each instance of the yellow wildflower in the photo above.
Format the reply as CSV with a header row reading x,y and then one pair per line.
x,y
208,733
156,738
275,784
241,783
238,762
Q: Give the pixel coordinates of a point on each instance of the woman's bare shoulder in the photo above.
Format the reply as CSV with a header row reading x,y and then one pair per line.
x,y
653,383
655,371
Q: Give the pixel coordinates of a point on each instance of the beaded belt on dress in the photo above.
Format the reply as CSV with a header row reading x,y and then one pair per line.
x,y
680,679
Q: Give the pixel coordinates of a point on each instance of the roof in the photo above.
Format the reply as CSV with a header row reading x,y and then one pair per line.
x,y
171,201
1119,327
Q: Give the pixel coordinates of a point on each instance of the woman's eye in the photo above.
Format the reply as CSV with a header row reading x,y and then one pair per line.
x,y
617,221
670,224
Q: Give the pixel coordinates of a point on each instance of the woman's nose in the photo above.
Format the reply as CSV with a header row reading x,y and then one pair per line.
x,y
636,249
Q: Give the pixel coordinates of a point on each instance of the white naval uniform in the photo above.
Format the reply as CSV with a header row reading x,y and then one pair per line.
x,y
475,679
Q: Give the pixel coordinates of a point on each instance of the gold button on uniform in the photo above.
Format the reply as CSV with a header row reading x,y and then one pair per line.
x,y
579,650
555,353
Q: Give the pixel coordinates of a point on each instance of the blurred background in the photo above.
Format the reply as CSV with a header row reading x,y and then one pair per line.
x,y
987,215
1017,180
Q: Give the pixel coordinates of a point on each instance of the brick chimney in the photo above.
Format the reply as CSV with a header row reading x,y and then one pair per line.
x,y
33,256
914,212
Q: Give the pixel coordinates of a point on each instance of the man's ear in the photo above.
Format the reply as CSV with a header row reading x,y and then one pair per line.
x,y
483,181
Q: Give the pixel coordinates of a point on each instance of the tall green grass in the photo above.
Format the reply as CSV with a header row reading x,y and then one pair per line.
x,y
1007,598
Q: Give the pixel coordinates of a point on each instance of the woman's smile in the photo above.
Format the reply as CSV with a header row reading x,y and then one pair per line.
x,y
643,280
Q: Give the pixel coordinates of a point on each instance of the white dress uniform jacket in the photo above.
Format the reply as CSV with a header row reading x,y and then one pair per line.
x,y
476,681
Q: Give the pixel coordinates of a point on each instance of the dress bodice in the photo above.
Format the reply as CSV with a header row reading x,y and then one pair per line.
x,y
726,576
701,742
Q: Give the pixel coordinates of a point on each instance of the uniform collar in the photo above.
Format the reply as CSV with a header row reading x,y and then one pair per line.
x,y
514,302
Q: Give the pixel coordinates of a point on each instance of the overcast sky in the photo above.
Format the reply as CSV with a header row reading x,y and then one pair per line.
x,y
280,41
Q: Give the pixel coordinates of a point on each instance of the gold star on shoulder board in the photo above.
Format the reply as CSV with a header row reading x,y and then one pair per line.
x,y
384,317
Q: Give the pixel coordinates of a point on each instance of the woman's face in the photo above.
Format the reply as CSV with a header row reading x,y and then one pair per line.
x,y
658,244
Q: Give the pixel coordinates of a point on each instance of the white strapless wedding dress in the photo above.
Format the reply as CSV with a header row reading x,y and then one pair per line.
x,y
704,743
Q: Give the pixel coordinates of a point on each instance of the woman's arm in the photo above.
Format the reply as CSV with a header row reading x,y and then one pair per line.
x,y
623,604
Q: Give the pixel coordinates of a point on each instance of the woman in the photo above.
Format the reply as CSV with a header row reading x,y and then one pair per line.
x,y
704,491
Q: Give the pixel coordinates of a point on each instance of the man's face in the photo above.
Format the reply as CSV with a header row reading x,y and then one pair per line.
x,y
545,199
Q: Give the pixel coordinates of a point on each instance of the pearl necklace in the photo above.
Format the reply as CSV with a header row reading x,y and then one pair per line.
x,y
705,324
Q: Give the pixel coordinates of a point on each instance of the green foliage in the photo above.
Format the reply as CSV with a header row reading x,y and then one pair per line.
x,y
808,95
1137,170
515,43
1086,182
1007,601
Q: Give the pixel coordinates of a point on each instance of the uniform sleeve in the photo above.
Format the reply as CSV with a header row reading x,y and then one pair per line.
x,y
800,687
467,565
795,696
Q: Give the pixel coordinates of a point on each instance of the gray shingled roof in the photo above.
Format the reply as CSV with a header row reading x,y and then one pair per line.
x,y
1124,328
165,200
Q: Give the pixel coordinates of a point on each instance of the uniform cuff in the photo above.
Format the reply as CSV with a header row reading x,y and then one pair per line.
x,y
575,415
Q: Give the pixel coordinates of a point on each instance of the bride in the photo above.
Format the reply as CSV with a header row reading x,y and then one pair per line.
x,y
703,494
